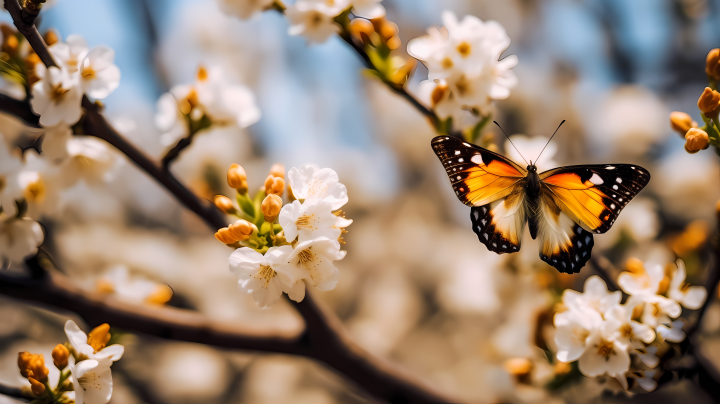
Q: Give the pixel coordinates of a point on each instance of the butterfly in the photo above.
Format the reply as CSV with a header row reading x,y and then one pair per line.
x,y
564,206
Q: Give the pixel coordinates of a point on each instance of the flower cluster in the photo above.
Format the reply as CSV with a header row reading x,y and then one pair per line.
x,y
118,281
31,183
211,100
317,20
700,138
281,248
87,380
58,92
464,71
602,334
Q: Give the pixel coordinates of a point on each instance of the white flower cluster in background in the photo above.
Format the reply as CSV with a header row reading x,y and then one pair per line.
x,y
602,334
464,71
57,96
315,19
312,226
212,100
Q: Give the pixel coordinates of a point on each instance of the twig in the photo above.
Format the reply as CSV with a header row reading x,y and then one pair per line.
x,y
16,392
20,109
174,152
604,268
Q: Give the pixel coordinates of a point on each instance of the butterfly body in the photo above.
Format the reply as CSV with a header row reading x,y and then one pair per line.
x,y
562,207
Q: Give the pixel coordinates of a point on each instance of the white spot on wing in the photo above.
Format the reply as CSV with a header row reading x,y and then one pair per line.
x,y
460,160
595,179
477,159
457,152
467,144
609,168
619,180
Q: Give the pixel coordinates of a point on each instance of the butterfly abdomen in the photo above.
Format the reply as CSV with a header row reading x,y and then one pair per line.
x,y
532,200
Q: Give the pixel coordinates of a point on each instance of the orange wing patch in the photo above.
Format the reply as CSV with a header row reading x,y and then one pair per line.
x,y
593,196
477,175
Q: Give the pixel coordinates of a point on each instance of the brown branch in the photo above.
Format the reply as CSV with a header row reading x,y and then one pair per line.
x,y
324,338
20,109
174,152
605,269
16,392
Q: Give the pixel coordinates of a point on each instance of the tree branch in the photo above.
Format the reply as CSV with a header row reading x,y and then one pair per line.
x,y
16,392
324,338
20,109
604,268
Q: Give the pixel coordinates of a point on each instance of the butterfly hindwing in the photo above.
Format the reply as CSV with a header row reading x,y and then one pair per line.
x,y
594,195
564,244
478,176
499,225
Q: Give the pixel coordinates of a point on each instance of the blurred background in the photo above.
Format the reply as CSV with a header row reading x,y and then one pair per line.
x,y
416,286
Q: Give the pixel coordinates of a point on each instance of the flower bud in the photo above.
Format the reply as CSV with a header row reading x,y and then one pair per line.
x,y
99,337
32,365
709,103
681,122
161,295
237,178
520,368
37,388
241,230
278,170
224,203
712,64
51,37
635,266
362,30
561,368
202,73
270,207
224,236
10,45
696,140
274,185
60,356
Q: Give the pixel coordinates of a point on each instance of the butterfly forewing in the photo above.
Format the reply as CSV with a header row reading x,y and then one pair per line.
x,y
478,176
594,195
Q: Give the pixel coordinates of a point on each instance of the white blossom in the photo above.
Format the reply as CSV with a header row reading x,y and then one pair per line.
x,y
314,258
368,8
672,332
170,120
70,52
19,238
267,276
691,297
629,329
465,54
605,352
56,96
133,289
310,182
648,356
310,220
573,330
98,74
244,9
86,158
595,296
92,378
314,19
40,185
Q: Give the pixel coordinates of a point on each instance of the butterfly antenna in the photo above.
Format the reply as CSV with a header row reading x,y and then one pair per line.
x,y
548,142
511,142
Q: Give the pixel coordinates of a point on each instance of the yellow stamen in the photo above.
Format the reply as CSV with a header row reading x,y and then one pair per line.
x,y
88,73
35,191
266,273
305,257
305,222
464,49
447,63
605,349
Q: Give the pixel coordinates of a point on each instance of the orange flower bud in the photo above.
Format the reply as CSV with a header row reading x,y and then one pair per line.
x,y
51,37
681,122
274,185
60,356
362,30
224,203
202,74
161,295
37,387
712,64
99,337
224,236
278,170
709,103
271,206
241,230
696,140
32,365
520,368
237,178
10,44
635,266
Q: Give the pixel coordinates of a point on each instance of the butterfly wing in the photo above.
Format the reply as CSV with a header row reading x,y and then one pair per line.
x,y
478,176
577,201
492,185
